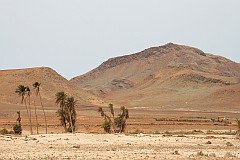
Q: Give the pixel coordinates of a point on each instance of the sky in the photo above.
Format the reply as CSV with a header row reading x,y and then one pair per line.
x,y
75,36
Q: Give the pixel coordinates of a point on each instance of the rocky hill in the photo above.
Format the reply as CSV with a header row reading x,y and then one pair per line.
x,y
168,76
51,82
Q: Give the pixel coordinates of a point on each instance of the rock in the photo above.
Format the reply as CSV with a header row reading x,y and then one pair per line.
x,y
76,146
176,153
227,155
212,155
208,142
200,153
229,144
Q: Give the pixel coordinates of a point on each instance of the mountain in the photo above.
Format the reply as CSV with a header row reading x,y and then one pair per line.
x,y
51,82
169,77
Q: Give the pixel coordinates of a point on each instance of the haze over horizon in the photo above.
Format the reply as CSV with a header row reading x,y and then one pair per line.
x,y
74,37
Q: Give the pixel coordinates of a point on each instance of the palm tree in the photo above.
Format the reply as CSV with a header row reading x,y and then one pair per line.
x,y
22,91
36,86
123,117
71,104
61,101
118,123
108,120
28,93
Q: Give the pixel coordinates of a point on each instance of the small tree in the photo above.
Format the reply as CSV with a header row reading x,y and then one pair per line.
x,y
114,124
17,128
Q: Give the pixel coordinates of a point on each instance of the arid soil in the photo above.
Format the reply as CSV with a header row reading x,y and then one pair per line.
x,y
172,93
146,120
150,134
109,146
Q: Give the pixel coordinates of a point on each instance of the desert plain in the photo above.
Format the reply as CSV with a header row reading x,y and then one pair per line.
x,y
180,135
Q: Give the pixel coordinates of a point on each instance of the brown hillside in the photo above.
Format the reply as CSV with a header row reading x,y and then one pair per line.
x,y
167,77
51,82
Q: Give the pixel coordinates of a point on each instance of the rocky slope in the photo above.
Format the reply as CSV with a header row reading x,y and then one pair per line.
x,y
168,76
51,82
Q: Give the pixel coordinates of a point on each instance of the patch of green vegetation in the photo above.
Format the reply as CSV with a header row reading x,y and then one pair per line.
x,y
17,128
5,131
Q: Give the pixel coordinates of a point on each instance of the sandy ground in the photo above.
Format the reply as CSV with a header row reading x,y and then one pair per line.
x,y
110,146
92,144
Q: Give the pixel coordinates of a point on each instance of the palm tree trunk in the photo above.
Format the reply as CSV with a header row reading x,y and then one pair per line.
x,y
70,116
36,116
122,124
112,123
63,119
43,111
28,116
30,113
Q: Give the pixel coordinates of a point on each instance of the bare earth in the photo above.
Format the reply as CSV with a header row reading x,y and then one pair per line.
x,y
110,146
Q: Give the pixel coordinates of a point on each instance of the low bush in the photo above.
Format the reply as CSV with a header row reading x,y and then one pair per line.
x,y
106,126
5,131
17,128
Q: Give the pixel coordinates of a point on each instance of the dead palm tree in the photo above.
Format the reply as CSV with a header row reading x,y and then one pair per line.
x,y
61,101
71,104
21,91
36,86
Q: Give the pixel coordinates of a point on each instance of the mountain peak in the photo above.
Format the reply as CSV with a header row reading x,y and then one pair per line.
x,y
153,60
152,53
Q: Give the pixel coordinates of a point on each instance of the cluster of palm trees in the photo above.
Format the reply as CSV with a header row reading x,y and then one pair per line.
x,y
113,123
25,93
67,111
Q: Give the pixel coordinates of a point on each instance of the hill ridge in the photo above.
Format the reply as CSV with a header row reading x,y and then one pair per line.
x,y
51,82
171,70
147,53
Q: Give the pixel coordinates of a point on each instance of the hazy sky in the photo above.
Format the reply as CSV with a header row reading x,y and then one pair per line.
x,y
75,36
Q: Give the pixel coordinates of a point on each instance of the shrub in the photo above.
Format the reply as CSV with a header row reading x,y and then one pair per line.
x,y
112,123
17,128
5,131
106,126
